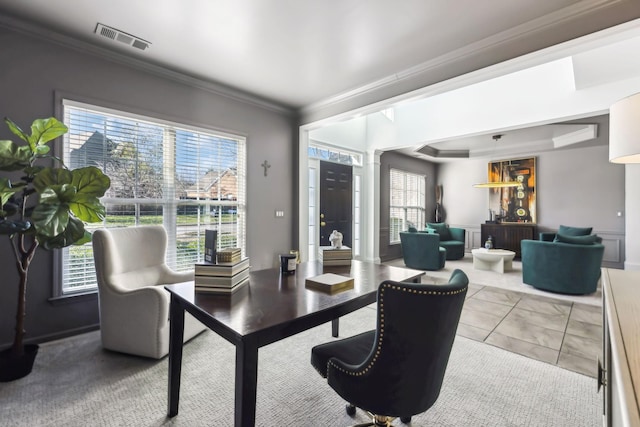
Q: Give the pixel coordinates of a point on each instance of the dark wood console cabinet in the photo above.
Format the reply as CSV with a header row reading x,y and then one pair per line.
x,y
508,236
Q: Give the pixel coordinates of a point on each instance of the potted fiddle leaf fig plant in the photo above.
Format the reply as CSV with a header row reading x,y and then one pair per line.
x,y
44,207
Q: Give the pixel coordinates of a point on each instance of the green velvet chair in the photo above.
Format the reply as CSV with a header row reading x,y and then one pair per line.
x,y
451,238
422,251
568,265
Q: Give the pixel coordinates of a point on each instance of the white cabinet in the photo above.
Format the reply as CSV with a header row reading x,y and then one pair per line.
x,y
621,347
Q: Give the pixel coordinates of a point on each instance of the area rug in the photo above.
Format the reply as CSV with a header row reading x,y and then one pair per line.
x,y
76,383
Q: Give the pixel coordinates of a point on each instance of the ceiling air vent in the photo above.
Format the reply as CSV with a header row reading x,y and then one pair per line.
x,y
122,37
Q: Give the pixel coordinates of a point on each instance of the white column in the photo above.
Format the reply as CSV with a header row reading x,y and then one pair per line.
x,y
371,206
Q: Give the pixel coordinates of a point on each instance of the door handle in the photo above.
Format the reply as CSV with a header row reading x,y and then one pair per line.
x,y
322,223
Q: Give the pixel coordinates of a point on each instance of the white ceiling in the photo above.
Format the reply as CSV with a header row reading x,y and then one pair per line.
x,y
300,52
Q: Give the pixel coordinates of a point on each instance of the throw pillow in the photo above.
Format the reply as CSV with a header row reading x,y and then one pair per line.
x,y
578,240
441,228
574,231
412,230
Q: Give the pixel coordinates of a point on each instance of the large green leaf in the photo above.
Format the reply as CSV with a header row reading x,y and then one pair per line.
x,y
6,191
87,208
13,127
90,181
14,157
49,177
42,131
45,130
51,219
74,233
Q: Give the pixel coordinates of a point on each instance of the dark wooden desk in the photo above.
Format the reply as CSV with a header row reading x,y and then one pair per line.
x,y
270,308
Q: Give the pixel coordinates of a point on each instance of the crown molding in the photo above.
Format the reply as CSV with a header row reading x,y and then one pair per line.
x,y
558,18
51,36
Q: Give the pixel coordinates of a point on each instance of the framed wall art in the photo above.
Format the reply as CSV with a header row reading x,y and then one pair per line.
x,y
515,203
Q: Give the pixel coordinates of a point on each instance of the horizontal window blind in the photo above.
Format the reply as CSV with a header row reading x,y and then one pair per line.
x,y
406,202
184,178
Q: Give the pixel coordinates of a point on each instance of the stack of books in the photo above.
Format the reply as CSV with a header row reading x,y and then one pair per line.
x,y
329,255
229,255
222,277
329,282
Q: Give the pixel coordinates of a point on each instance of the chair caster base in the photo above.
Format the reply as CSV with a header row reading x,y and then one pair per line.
x,y
351,410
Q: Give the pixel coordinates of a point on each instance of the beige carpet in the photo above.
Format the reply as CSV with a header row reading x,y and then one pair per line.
x,y
76,383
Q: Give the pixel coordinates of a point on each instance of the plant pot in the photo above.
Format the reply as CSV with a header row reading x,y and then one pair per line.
x,y
13,368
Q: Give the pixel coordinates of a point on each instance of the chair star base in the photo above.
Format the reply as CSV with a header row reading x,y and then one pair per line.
x,y
376,420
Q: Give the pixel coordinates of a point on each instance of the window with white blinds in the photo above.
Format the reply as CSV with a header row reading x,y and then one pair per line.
x,y
185,178
406,202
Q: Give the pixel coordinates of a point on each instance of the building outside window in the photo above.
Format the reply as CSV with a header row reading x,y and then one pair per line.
x,y
406,202
185,178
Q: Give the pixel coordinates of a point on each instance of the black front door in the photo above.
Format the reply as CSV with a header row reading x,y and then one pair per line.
x,y
335,202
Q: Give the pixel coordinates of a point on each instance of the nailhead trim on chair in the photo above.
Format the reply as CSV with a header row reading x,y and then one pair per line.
x,y
381,305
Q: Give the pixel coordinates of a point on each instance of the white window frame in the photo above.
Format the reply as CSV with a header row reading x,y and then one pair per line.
x,y
169,200
405,207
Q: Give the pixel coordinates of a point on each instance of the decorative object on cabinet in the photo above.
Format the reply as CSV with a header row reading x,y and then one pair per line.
x,y
507,236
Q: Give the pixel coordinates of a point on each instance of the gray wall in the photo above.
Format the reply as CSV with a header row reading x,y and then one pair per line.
x,y
393,160
35,71
576,187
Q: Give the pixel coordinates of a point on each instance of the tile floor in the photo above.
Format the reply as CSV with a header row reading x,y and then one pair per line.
x,y
563,333
500,310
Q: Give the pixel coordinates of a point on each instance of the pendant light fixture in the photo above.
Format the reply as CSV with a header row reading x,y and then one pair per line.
x,y
497,184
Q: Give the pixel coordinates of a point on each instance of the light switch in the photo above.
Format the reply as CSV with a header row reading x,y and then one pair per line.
x,y
279,214
619,213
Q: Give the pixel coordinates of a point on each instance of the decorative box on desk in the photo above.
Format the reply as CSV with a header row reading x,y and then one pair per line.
x,y
329,255
508,235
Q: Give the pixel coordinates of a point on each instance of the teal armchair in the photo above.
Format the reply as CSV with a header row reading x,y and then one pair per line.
x,y
422,251
451,238
568,268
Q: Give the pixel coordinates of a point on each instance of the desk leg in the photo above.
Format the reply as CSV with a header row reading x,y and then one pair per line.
x,y
335,326
246,384
176,336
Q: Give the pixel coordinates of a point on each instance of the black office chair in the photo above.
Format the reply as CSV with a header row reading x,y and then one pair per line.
x,y
397,369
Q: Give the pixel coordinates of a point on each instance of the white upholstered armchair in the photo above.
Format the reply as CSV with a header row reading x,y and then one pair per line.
x,y
134,306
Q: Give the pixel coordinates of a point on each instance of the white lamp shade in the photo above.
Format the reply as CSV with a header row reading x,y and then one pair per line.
x,y
624,130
